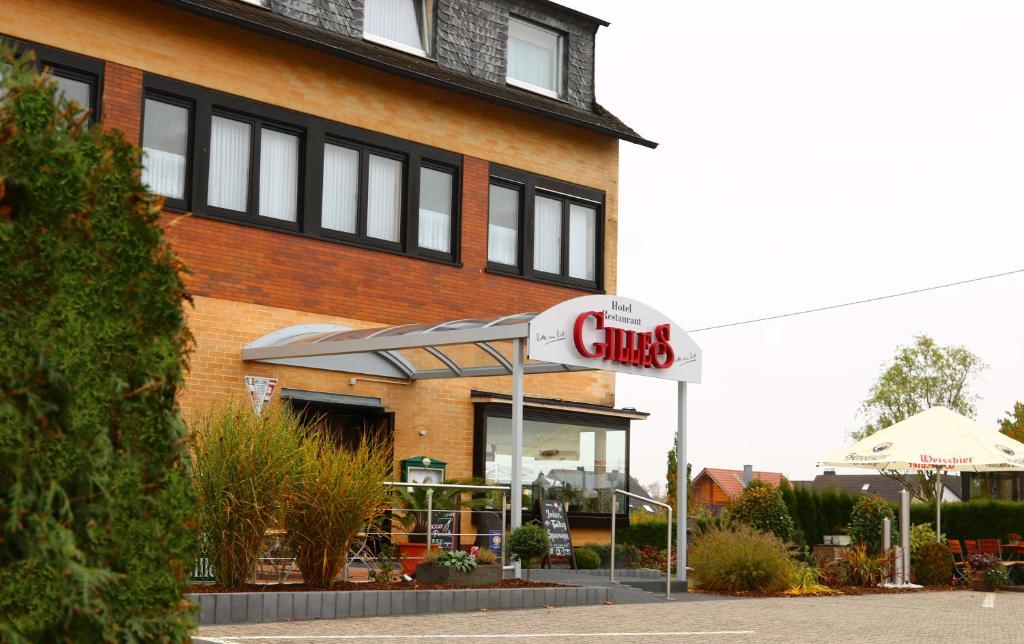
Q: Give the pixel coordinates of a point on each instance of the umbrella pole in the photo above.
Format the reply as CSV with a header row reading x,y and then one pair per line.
x,y
938,504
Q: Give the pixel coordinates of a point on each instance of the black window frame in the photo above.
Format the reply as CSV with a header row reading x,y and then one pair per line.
x,y
173,203
68,65
314,133
530,186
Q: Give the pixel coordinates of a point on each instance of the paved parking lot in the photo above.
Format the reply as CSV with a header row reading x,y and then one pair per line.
x,y
961,616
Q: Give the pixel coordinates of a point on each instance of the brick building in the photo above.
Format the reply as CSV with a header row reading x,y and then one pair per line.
x,y
360,163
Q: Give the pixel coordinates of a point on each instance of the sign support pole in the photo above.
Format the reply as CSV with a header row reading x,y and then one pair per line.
x,y
681,484
517,439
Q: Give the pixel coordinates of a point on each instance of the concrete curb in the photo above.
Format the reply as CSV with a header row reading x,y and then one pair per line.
x,y
253,608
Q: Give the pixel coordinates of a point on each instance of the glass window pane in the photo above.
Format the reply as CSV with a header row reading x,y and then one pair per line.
x,y
165,142
75,90
503,226
547,235
396,20
341,188
384,201
533,55
279,175
582,237
435,224
577,464
229,164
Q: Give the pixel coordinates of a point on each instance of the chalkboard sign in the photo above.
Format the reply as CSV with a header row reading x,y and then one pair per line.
x,y
552,515
444,529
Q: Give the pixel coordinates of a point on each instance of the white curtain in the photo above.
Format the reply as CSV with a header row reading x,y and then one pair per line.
x,y
384,201
435,222
503,226
396,20
164,173
582,235
532,55
547,235
229,164
341,188
279,175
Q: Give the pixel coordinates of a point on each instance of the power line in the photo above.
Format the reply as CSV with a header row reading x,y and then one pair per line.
x,y
872,299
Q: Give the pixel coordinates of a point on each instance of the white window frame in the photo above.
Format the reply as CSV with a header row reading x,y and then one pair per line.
x,y
559,59
424,7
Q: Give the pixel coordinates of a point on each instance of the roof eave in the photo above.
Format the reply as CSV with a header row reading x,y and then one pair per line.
x,y
378,64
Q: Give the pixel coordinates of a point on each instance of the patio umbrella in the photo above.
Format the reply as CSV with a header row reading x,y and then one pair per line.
x,y
935,439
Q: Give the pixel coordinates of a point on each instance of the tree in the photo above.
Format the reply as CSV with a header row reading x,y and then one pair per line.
x,y
921,375
670,476
763,507
1013,424
97,532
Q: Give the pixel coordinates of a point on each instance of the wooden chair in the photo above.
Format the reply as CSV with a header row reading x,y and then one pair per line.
x,y
990,547
1014,561
970,546
957,552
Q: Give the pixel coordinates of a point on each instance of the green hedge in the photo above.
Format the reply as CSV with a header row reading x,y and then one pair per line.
x,y
648,533
974,519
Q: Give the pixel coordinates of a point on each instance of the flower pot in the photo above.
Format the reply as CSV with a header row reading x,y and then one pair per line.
x,y
480,576
978,581
412,554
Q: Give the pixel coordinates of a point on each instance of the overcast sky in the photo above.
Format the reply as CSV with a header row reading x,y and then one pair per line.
x,y
814,153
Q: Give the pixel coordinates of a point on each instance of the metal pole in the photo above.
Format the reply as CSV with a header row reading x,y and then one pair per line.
x,y
611,555
668,564
517,439
681,484
887,544
938,504
905,533
504,517
430,518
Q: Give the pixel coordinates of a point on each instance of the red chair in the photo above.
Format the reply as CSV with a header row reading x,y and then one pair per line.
x,y
957,552
990,547
971,546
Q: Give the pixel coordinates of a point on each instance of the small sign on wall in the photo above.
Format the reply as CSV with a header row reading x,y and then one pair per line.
x,y
260,390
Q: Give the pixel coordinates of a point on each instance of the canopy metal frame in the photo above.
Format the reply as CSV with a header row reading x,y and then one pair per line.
x,y
376,352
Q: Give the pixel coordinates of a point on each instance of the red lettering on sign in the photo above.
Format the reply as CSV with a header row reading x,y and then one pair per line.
x,y
637,348
577,334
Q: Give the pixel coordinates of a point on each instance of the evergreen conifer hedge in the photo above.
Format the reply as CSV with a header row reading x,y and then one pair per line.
x,y
96,509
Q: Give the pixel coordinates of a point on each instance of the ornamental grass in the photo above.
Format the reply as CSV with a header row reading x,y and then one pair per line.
x,y
337,493
246,466
741,559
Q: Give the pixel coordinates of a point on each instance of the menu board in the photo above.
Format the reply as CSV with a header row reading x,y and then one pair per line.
x,y
552,515
444,529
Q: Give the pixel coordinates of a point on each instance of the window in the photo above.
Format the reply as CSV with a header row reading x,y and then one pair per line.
x,y
575,457
561,239
262,165
166,132
396,23
534,57
78,78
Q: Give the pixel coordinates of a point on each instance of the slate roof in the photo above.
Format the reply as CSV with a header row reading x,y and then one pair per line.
x,y
731,481
327,26
853,484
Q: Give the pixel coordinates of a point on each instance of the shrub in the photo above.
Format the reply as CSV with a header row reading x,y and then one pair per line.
x,y
97,534
720,522
743,559
457,559
997,576
981,561
528,543
866,522
245,466
626,555
587,559
762,508
921,534
981,519
931,564
860,566
337,493
648,533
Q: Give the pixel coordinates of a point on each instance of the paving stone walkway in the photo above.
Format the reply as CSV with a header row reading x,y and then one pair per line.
x,y
962,616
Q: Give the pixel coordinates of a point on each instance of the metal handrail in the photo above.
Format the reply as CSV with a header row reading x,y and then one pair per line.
x,y
448,485
668,562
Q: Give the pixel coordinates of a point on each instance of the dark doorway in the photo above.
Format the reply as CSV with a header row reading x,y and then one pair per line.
x,y
349,425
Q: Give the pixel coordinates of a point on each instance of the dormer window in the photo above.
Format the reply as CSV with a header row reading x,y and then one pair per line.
x,y
534,58
400,24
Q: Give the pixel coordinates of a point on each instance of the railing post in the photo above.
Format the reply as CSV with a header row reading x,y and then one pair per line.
x,y
430,517
504,513
668,563
611,555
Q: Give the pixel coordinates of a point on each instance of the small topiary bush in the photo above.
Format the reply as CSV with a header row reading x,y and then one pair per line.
x,y
528,543
587,559
866,522
763,508
932,564
743,559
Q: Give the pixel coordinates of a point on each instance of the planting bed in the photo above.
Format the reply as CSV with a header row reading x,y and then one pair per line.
x,y
839,590
364,586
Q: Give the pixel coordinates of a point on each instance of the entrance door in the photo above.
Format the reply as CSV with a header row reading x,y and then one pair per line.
x,y
349,425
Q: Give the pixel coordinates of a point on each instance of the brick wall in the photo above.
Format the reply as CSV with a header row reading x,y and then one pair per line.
x,y
122,100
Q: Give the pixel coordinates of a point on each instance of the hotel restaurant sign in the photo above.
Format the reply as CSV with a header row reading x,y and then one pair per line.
x,y
614,334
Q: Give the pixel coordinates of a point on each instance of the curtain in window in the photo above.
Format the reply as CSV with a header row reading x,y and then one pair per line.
x,y
384,198
279,175
165,141
503,226
582,235
533,55
396,20
547,235
341,188
435,222
229,164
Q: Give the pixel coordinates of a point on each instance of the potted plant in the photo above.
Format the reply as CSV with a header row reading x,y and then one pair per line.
x,y
980,564
411,517
1013,538
458,567
528,543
